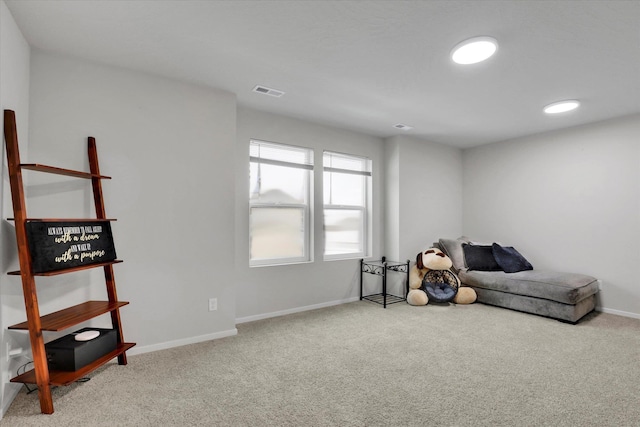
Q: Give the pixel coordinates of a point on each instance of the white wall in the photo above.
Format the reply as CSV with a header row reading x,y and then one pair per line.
x,y
14,95
568,200
429,191
265,291
168,147
392,200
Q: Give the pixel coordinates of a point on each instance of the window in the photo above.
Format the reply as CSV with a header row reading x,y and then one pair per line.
x,y
347,184
280,182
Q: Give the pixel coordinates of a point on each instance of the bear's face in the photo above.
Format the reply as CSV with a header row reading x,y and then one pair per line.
x,y
435,259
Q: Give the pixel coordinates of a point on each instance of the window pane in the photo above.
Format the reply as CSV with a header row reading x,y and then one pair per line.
x,y
280,189
277,233
346,182
277,184
344,189
343,231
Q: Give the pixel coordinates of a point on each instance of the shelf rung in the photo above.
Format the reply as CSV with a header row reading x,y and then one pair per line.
x,y
379,298
70,270
63,319
60,171
60,378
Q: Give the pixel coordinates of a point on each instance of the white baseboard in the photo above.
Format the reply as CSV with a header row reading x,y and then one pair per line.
x,y
178,343
618,312
293,310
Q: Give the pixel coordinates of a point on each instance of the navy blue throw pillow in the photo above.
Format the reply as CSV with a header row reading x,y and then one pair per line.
x,y
480,258
510,260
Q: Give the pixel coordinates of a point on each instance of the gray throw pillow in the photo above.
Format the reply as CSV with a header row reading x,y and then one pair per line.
x,y
453,249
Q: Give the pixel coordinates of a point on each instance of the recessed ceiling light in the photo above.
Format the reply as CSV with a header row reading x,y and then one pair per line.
x,y
402,126
562,106
474,50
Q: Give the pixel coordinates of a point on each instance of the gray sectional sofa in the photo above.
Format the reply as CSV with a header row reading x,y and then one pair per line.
x,y
563,296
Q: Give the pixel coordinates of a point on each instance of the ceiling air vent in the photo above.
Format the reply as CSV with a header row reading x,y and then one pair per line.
x,y
402,126
268,91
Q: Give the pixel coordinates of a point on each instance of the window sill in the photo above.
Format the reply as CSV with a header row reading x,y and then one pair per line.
x,y
280,264
349,257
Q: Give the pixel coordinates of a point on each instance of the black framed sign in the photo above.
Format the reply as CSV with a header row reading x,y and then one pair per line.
x,y
60,245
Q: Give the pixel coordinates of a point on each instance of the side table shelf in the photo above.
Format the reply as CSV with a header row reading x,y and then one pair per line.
x,y
380,268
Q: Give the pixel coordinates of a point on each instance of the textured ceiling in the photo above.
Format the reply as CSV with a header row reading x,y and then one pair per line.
x,y
367,65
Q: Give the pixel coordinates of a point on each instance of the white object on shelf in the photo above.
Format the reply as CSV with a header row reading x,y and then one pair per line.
x,y
87,335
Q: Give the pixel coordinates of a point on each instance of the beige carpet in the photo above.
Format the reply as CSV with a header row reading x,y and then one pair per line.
x,y
361,365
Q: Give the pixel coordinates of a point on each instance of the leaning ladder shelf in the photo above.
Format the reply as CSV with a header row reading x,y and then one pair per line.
x,y
66,318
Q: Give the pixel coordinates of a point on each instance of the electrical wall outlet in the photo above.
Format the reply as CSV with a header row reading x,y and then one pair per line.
x,y
213,304
14,352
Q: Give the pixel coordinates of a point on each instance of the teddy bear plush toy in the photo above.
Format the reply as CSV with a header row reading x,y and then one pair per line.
x,y
434,259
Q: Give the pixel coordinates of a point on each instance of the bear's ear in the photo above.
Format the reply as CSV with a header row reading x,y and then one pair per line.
x,y
419,263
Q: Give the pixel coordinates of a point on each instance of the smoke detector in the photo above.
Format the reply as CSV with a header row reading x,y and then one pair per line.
x,y
402,126
268,91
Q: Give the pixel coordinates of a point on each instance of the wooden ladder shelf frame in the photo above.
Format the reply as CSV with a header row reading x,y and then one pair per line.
x,y
40,374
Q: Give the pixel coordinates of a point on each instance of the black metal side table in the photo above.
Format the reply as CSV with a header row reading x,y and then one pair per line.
x,y
380,268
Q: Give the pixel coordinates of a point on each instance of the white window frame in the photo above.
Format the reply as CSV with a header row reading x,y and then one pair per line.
x,y
305,207
365,209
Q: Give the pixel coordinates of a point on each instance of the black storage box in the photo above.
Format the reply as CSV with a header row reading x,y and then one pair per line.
x,y
67,354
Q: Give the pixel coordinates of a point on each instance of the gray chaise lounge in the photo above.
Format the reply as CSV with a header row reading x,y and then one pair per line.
x,y
563,296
